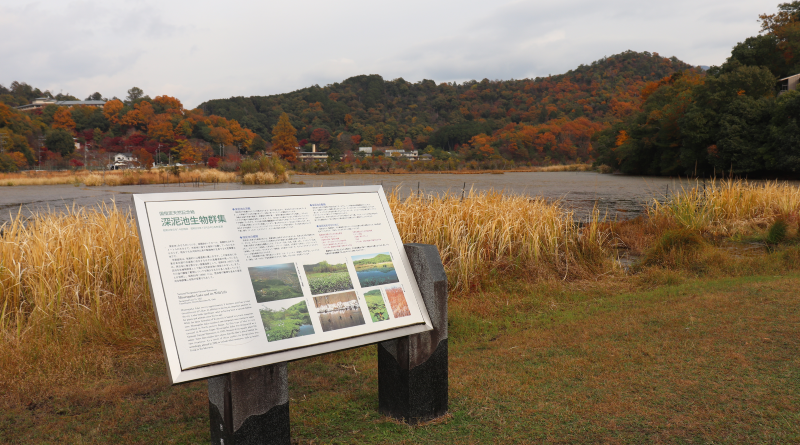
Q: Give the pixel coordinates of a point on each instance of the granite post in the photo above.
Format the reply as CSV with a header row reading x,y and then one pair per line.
x,y
250,407
412,370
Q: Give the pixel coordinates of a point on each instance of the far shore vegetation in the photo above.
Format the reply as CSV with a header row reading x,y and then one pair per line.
x,y
656,308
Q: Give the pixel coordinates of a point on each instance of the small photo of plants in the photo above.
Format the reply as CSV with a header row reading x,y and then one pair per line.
x,y
376,306
325,277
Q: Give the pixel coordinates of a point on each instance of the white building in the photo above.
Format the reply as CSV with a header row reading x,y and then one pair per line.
x,y
788,83
41,102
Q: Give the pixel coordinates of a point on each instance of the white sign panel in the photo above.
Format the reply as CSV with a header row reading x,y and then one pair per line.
x,y
248,278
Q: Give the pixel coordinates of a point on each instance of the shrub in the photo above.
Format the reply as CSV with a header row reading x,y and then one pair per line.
x,y
674,248
777,231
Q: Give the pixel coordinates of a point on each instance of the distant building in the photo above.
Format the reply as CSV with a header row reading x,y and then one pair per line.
x,y
425,157
122,160
41,102
412,155
367,150
788,83
312,155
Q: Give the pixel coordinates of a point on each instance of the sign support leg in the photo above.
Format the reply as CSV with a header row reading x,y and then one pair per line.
x,y
250,407
412,370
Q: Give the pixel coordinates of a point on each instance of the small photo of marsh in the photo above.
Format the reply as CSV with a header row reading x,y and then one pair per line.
x,y
276,282
325,277
339,311
286,321
375,269
376,305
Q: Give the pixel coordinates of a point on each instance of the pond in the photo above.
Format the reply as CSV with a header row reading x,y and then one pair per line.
x,y
305,329
376,276
617,196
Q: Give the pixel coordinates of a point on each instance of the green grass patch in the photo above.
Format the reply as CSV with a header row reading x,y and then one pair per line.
x,y
697,361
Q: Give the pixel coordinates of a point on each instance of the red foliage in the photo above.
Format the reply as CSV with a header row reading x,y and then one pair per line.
x,y
213,161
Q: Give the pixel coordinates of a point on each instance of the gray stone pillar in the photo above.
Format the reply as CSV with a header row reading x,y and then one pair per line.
x,y
412,370
250,407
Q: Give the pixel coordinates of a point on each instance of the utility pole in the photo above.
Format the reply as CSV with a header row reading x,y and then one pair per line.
x,y
39,157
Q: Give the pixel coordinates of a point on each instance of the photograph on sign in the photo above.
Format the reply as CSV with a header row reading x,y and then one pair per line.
x,y
238,275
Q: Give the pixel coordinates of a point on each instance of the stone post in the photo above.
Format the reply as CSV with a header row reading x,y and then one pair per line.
x,y
412,370
250,407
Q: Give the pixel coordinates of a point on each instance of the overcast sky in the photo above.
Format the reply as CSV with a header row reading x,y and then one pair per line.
x,y
199,50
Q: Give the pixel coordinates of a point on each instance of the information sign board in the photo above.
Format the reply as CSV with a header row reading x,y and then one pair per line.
x,y
247,278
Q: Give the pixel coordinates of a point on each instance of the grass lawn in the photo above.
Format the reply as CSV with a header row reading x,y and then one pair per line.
x,y
685,361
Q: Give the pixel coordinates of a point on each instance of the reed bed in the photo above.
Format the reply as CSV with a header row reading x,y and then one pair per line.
x,y
728,207
135,177
74,298
261,178
489,232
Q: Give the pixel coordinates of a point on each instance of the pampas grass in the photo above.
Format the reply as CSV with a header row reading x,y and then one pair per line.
x,y
728,207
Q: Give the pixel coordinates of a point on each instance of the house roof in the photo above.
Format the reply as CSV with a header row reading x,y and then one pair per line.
x,y
790,77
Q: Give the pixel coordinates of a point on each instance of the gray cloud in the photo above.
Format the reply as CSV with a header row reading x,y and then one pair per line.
x,y
199,51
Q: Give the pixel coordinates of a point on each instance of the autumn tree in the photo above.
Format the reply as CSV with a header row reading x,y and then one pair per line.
x,y
144,158
112,110
63,119
284,140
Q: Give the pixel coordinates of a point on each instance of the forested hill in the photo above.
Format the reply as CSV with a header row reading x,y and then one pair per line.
x,y
369,110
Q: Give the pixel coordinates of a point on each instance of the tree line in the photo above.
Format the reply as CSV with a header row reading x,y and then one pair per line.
x,y
543,120
154,130
731,120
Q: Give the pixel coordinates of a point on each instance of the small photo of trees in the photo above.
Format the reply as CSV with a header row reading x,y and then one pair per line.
x,y
289,322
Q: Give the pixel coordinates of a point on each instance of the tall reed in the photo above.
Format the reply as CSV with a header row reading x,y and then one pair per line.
x,y
490,232
728,206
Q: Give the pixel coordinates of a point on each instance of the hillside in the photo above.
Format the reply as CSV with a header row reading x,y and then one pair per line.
x,y
369,110
735,120
154,130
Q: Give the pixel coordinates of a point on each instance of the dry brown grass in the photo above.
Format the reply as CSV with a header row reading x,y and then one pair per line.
x,y
489,233
69,280
75,298
729,207
135,177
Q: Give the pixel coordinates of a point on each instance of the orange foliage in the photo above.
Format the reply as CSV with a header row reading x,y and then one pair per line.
x,y
63,119
19,159
170,104
160,129
621,138
112,109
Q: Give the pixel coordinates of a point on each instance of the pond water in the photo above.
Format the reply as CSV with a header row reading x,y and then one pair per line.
x,y
376,276
305,329
617,196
